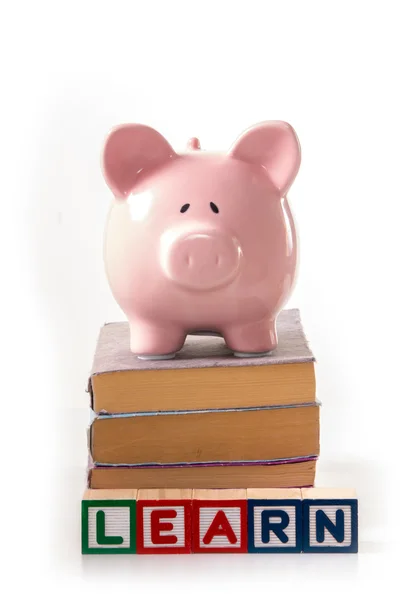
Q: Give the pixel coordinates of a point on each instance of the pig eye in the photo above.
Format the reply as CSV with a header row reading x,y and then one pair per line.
x,y
184,208
214,207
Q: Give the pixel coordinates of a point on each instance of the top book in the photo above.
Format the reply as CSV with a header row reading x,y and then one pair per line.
x,y
204,375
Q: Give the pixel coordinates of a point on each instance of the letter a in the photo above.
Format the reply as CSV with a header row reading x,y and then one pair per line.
x,y
220,526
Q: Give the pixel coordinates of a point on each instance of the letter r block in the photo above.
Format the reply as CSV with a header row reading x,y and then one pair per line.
x,y
164,521
219,520
330,520
274,520
109,522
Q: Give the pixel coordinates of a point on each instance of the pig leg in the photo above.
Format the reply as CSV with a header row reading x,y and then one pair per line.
x,y
155,341
251,339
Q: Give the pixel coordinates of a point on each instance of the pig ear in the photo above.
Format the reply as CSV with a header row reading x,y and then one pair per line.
x,y
274,146
131,150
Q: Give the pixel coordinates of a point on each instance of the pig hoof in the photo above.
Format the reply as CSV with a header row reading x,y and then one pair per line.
x,y
156,356
251,354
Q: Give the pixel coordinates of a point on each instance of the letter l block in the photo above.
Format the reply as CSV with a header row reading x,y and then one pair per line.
x,y
109,522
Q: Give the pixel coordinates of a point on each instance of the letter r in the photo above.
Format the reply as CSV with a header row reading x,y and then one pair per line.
x,y
267,526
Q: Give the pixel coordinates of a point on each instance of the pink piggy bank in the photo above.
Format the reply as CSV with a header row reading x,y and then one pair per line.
x,y
201,242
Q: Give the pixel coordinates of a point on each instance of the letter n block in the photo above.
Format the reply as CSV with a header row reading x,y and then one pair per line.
x,y
330,520
219,521
164,521
109,522
274,520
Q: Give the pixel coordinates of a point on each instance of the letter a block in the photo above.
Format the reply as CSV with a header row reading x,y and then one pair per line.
x,y
164,521
219,521
274,520
109,522
330,520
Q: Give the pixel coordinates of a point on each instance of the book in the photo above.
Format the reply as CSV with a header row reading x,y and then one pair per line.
x,y
251,434
203,375
282,474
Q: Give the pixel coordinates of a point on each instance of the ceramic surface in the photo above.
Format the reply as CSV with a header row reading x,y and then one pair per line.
x,y
201,241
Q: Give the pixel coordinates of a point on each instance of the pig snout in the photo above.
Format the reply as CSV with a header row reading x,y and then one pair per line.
x,y
201,260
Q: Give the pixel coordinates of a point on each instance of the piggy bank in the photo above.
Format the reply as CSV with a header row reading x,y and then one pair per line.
x,y
199,241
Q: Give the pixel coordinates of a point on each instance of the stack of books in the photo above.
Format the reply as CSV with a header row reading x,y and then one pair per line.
x,y
204,419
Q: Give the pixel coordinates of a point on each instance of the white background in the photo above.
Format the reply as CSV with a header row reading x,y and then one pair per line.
x,y
72,70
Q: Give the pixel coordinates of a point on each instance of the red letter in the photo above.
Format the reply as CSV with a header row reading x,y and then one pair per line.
x,y
220,526
156,527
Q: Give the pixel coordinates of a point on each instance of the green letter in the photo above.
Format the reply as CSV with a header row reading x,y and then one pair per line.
x,y
101,536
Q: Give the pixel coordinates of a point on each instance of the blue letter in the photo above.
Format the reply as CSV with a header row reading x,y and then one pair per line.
x,y
277,528
323,522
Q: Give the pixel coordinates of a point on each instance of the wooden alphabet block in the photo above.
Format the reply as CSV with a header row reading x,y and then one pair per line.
x,y
109,522
180,521
330,520
164,521
219,521
274,520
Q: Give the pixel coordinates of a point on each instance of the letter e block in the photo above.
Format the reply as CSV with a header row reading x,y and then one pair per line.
x,y
164,521
219,520
274,520
330,520
109,522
